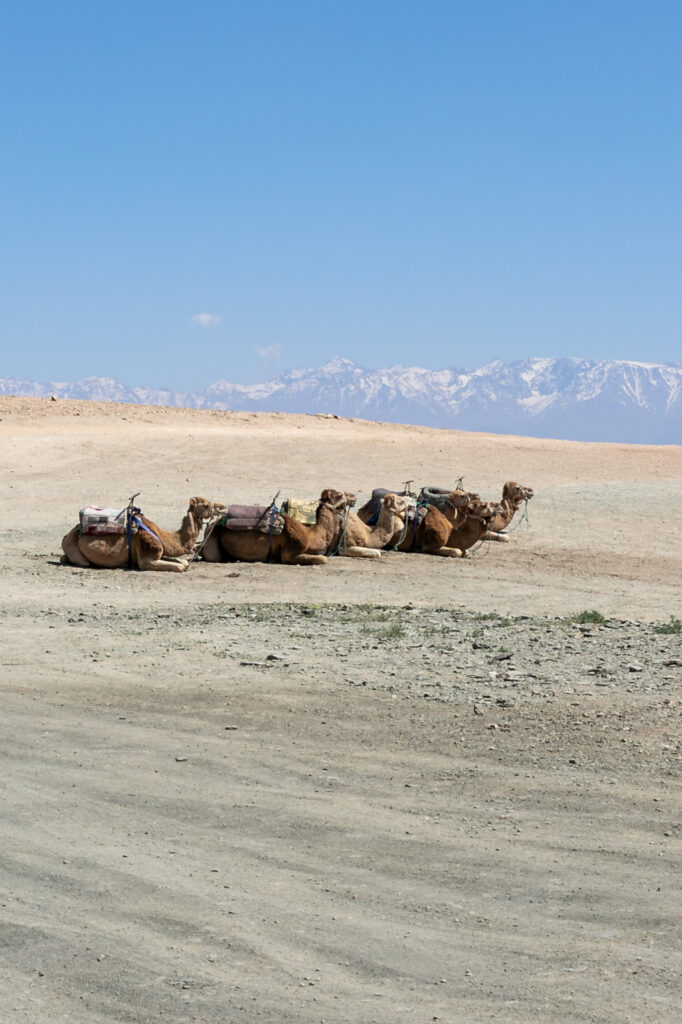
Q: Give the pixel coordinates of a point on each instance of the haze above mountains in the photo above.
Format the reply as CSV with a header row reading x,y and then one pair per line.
x,y
573,399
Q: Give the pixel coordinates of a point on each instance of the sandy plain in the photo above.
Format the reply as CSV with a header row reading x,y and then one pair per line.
x,y
404,790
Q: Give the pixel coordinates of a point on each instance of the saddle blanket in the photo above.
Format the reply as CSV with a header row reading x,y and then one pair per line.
x,y
302,511
104,520
252,517
373,506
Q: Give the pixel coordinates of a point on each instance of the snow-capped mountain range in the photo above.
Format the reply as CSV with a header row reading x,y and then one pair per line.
x,y
575,399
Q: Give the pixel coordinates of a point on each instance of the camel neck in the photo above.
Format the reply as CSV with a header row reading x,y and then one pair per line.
x,y
388,523
189,530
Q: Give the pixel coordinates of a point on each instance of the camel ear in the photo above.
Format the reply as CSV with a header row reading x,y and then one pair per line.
x,y
192,502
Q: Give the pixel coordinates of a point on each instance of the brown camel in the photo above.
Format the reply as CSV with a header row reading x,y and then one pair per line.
x,y
429,531
513,495
363,541
478,515
297,544
432,535
450,530
158,550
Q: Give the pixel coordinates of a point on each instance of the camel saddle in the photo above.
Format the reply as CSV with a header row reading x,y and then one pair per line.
x,y
373,506
303,511
264,518
436,496
94,519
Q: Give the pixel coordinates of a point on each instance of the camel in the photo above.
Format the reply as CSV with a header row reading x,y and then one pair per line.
x,y
428,533
297,544
450,530
473,526
150,549
513,495
363,541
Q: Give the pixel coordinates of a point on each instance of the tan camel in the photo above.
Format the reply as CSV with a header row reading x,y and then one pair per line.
x,y
158,550
297,544
513,495
363,541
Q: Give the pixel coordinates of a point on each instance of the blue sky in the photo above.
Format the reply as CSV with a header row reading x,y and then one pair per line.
x,y
195,191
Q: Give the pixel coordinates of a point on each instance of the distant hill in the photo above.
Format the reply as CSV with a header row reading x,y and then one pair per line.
x,y
574,399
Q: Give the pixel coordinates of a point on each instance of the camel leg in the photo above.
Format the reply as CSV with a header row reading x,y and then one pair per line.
x,y
303,559
73,554
211,551
502,537
445,552
356,552
148,562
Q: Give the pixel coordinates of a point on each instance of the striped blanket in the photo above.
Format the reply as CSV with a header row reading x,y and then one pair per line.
x,y
94,519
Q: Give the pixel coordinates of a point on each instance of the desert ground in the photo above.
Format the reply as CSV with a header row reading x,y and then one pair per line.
x,y
410,789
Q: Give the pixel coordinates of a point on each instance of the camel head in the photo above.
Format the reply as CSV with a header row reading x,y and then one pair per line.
x,y
516,493
483,510
203,509
460,499
336,500
397,503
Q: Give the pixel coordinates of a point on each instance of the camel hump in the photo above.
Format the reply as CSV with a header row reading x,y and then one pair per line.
x,y
297,532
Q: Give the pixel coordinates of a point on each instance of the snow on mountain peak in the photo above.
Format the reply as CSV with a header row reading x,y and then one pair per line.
x,y
573,398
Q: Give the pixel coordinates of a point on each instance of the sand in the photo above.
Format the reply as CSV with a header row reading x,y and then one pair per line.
x,y
228,796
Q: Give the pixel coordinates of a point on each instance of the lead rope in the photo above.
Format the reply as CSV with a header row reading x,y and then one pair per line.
x,y
131,512
476,549
406,524
208,530
524,518
342,538
274,511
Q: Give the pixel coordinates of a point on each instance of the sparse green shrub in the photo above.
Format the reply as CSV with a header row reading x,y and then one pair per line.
x,y
393,632
674,625
493,617
588,616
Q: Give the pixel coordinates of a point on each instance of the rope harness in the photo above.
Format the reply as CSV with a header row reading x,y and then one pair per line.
x,y
208,530
415,521
524,517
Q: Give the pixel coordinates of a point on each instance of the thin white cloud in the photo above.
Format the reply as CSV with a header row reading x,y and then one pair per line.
x,y
206,319
268,358
269,352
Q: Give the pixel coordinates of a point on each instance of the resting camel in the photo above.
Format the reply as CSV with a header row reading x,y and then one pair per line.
x,y
297,544
428,534
450,530
513,495
364,541
478,516
160,550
